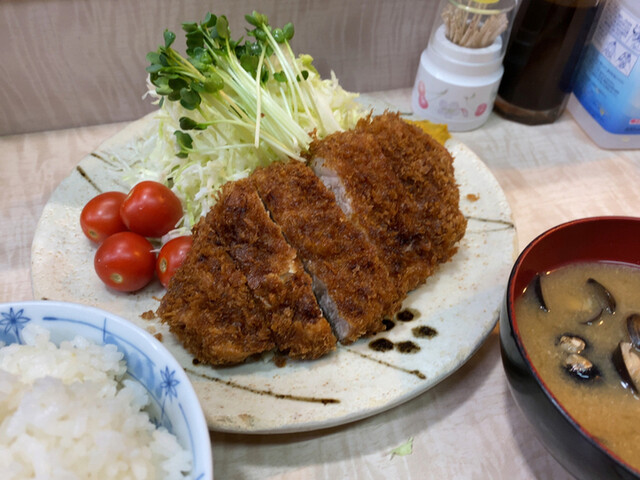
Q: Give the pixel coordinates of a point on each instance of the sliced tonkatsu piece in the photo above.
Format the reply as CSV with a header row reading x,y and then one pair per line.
x,y
352,285
353,166
274,273
425,168
209,307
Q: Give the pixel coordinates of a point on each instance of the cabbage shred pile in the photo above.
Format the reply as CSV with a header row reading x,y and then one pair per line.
x,y
229,107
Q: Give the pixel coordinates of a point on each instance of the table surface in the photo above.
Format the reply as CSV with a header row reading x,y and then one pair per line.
x,y
465,427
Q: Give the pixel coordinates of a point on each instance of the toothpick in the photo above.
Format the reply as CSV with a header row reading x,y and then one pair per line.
x,y
479,31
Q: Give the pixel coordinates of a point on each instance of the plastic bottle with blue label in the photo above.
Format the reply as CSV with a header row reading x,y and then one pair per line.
x,y
606,94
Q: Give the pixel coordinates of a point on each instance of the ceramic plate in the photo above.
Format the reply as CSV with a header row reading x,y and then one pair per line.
x,y
451,314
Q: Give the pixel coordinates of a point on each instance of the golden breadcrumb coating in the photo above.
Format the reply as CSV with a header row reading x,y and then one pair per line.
x,y
275,274
359,291
378,202
209,307
425,168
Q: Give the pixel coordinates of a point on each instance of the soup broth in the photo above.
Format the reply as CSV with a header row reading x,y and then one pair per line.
x,y
590,303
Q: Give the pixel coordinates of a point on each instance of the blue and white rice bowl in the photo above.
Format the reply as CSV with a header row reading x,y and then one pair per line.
x,y
172,401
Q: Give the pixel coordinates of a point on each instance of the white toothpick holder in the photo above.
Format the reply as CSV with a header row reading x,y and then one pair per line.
x,y
457,85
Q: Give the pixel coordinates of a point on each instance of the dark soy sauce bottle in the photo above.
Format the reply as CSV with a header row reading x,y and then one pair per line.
x,y
541,57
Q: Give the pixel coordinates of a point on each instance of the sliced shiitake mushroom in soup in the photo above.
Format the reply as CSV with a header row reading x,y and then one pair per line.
x,y
604,295
626,359
595,318
571,343
633,327
537,288
580,367
604,298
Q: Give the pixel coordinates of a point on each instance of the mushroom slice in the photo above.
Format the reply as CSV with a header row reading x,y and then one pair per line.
x,y
604,296
537,288
595,318
571,343
580,367
627,362
633,327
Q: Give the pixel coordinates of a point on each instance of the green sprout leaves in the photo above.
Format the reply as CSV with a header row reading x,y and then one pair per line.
x,y
210,50
185,143
187,123
169,38
256,19
254,85
189,99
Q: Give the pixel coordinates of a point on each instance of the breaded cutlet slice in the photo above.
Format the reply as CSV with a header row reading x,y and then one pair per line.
x,y
209,307
425,168
353,166
275,275
350,282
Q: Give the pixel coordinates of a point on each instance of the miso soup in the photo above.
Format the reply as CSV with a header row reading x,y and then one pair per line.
x,y
573,322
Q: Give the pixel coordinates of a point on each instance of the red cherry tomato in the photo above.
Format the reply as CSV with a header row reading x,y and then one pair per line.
x,y
125,261
151,209
100,217
171,256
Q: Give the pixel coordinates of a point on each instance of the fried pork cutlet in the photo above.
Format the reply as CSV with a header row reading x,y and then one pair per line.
x,y
280,248
425,168
274,273
209,307
351,284
353,166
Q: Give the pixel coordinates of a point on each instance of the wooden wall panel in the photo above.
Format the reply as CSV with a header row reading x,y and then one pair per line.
x,y
67,63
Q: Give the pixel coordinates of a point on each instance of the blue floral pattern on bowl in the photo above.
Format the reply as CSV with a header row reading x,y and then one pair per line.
x,y
148,362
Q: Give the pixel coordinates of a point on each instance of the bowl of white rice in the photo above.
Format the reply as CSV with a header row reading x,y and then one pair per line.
x,y
85,394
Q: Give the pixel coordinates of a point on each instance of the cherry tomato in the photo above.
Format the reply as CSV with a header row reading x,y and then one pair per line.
x,y
151,209
100,217
171,256
125,261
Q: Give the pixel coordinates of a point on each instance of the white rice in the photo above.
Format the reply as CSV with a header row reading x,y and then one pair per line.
x,y
66,413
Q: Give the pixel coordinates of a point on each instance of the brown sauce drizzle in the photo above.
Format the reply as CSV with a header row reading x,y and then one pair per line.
x,y
490,220
109,163
84,175
417,373
407,347
424,331
407,315
381,345
389,324
284,396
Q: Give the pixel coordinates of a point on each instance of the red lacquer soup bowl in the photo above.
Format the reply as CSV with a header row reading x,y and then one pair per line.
x,y
607,239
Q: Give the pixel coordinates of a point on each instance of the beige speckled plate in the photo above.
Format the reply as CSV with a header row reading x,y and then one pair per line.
x,y
460,303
